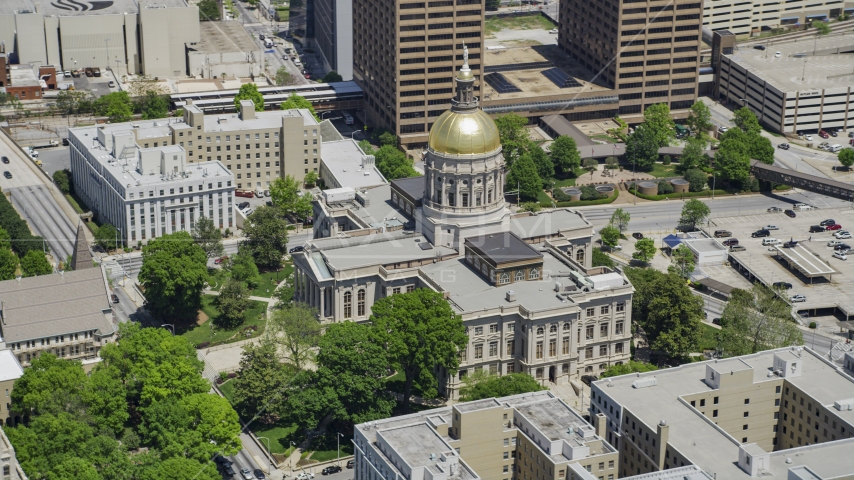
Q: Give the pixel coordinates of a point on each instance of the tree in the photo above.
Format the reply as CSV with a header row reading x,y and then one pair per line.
x,y
644,250
700,120
682,261
746,121
657,120
693,212
310,178
242,268
208,10
297,332
387,138
481,384
693,155
174,272
620,219
601,259
62,181
266,235
332,77
612,163
8,263
610,236
260,370
105,397
69,102
761,149
565,154
492,5
697,179
523,175
545,167
732,160
232,301
142,85
49,386
591,165
642,147
296,102
632,366
106,236
667,311
35,263
284,77
249,91
118,112
846,158
285,193
755,320
208,236
152,105
821,28
531,207
421,334
116,105
513,135
393,163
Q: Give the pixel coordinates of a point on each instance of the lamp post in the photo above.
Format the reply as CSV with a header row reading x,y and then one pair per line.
x,y
338,442
804,73
290,462
354,132
272,465
171,327
322,114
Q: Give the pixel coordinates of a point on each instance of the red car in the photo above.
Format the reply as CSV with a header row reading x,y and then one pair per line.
x,y
833,227
823,134
220,260
308,76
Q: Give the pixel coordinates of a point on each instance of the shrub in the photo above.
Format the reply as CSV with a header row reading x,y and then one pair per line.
x,y
559,196
813,325
697,179
530,207
203,345
664,187
666,160
589,192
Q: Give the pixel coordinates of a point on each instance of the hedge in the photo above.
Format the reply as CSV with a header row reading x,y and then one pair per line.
x,y
705,193
581,203
22,239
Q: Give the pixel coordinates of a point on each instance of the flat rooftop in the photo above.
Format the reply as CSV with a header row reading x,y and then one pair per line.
x,y
231,122
708,448
379,249
825,69
548,223
223,37
380,209
706,245
503,248
412,186
554,418
345,160
524,66
805,261
65,8
54,304
23,76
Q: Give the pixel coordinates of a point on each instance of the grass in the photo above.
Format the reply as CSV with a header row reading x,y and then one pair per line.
x,y
254,316
528,22
325,447
707,337
280,437
660,170
268,281
227,389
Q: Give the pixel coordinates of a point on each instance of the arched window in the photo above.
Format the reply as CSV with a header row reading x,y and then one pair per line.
x,y
361,303
540,331
520,276
534,274
579,256
567,326
553,329
505,278
348,304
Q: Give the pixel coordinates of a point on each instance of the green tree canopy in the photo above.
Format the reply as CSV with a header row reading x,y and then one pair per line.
x,y
152,105
601,259
62,180
266,235
297,332
208,10
620,219
591,165
232,301
106,236
480,384
610,236
697,179
660,125
49,386
756,320
821,28
732,160
682,261
384,137
332,77
8,264
284,76
420,332
644,250
393,163
174,273
523,176
631,366
545,167
241,267
761,149
260,372
693,212
700,120
642,147
693,155
206,235
249,91
35,263
846,157
746,121
295,101
117,106
513,135
565,154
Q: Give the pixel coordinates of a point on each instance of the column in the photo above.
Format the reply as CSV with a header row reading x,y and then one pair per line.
x,y
322,308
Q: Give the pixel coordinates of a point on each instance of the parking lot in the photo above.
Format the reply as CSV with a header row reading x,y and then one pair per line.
x,y
769,265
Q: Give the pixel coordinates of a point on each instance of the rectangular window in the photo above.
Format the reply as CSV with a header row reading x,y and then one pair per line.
x,y
591,312
539,350
618,328
552,347
493,349
603,330
478,351
589,332
565,346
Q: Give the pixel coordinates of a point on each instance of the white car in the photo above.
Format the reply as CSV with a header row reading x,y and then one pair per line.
x,y
246,474
771,227
67,74
802,206
554,30
305,476
808,138
842,235
840,255
834,243
797,298
722,129
777,54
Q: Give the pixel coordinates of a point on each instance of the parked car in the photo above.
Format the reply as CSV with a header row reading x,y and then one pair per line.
x,y
823,134
759,47
834,227
7,174
790,244
722,129
775,210
242,205
777,54
221,259
261,36
827,222
722,233
816,229
244,193
790,213
246,474
114,298
851,134
808,138
227,470
803,207
840,255
757,234
5,159
588,379
771,227
842,235
716,320
330,470
730,242
111,84
297,249
305,476
784,146
737,248
66,74
842,247
637,236
351,464
833,133
259,474
553,31
784,285
797,298
834,243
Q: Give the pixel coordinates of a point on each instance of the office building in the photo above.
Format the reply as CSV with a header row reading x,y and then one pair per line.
x,y
405,54
756,16
523,284
343,163
647,49
129,36
794,87
333,35
779,414
68,314
532,435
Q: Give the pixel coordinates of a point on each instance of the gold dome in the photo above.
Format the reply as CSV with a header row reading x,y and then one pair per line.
x,y
469,133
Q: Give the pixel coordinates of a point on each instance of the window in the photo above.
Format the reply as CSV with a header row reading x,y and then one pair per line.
x,y
591,312
493,349
539,350
348,304
746,401
565,346
714,413
589,332
618,328
605,309
603,350
540,331
552,347
478,330
534,274
566,326
588,353
361,302
478,351
510,347
603,330
621,307
505,277
519,276
493,328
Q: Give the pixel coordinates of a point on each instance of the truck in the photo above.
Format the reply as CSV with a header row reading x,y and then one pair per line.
x,y
268,43
259,192
244,193
96,71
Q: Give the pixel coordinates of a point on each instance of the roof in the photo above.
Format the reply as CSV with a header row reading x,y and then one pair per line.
x,y
717,286
223,37
346,161
548,223
81,256
265,119
705,245
416,444
328,132
378,249
562,126
503,247
55,304
412,187
688,472
805,261
89,7
10,368
23,76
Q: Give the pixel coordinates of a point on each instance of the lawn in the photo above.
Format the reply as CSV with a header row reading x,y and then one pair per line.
x,y
707,337
196,334
227,389
325,448
527,22
268,281
660,170
280,437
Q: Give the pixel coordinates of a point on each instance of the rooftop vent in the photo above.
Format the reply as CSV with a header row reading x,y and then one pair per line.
x,y
645,382
510,296
844,405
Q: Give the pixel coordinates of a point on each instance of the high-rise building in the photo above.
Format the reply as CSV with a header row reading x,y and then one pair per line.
x,y
333,34
405,54
647,49
744,18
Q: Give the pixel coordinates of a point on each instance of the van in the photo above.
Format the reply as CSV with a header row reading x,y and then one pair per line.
x,y
769,241
259,192
348,119
722,233
737,248
802,206
268,43
834,148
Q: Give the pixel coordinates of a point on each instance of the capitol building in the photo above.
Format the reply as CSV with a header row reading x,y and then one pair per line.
x,y
522,282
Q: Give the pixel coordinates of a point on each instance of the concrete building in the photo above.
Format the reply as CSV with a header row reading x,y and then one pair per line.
x,y
707,251
24,84
67,314
343,163
647,49
224,49
778,414
10,371
523,284
130,36
405,55
532,435
806,88
333,35
755,16
8,462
